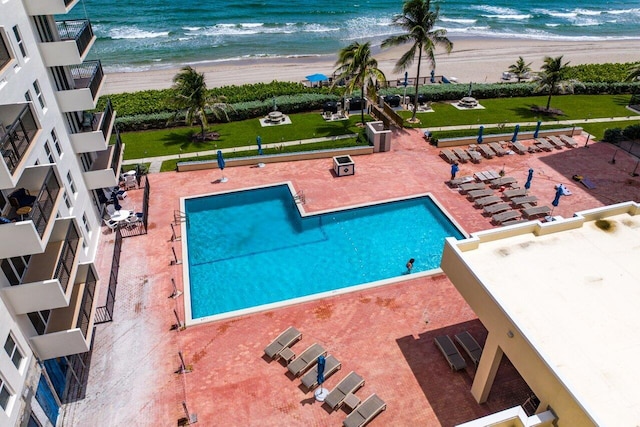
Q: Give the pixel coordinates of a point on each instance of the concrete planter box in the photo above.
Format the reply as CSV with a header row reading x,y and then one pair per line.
x,y
344,165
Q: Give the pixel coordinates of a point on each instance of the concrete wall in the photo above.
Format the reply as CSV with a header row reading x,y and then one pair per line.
x,y
274,158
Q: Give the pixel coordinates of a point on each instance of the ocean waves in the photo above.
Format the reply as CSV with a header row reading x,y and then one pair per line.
x,y
162,33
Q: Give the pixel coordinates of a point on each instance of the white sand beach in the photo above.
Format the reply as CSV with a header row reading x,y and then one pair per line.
x,y
472,60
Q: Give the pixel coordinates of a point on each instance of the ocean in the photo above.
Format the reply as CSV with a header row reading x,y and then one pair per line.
x,y
166,33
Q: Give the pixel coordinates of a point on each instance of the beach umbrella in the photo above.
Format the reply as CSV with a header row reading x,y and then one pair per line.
x,y
259,141
480,134
114,197
433,76
556,200
514,138
470,88
527,184
221,165
406,79
535,134
321,392
315,78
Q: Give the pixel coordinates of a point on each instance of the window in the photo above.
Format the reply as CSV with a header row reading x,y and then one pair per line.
x,y
67,201
85,221
72,185
5,395
47,150
39,320
27,96
13,351
56,142
14,268
39,96
23,50
5,53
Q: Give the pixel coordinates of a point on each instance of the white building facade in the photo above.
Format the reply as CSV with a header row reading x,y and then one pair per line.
x,y
56,161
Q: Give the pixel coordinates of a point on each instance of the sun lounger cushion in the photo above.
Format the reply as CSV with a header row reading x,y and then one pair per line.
x,y
505,216
306,359
450,352
588,183
497,208
286,339
348,384
310,379
365,412
470,346
536,210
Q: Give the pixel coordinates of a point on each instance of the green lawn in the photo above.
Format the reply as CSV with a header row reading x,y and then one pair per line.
x,y
235,134
597,129
514,110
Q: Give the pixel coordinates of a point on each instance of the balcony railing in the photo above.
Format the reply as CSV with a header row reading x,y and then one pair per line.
x,y
67,257
17,138
89,75
78,30
106,119
42,208
117,153
84,316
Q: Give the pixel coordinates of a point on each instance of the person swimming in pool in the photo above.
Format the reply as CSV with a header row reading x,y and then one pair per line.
x,y
410,265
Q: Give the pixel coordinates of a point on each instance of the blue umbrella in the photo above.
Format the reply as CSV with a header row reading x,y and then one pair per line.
x,y
514,138
556,200
259,141
406,79
221,165
535,134
480,134
433,76
314,78
527,184
321,393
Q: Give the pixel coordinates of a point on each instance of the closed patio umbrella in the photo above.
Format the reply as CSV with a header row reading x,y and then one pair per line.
x,y
221,165
535,134
514,138
527,184
556,200
480,131
321,393
259,142
433,76
114,197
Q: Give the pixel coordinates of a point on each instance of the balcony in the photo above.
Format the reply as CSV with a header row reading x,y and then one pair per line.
x,y
5,53
96,131
70,329
18,129
70,45
49,7
83,94
48,281
105,169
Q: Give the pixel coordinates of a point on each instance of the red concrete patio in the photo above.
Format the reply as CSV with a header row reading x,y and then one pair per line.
x,y
385,334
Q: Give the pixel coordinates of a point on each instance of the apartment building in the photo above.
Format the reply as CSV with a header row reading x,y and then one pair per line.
x,y
56,161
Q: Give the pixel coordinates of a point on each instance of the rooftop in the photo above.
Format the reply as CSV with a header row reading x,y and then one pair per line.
x,y
385,333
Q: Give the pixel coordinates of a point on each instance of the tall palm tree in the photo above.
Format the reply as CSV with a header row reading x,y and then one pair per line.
x,y
520,69
418,20
192,97
552,78
633,73
356,63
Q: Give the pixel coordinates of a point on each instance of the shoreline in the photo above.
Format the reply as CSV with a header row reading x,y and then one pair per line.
x,y
473,59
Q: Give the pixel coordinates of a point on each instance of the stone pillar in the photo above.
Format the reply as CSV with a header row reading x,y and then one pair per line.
x,y
487,369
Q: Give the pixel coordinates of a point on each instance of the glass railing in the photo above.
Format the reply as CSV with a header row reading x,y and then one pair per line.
x,y
17,138
106,119
67,256
84,315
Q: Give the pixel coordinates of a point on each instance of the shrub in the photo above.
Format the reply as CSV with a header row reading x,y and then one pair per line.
x,y
613,135
632,132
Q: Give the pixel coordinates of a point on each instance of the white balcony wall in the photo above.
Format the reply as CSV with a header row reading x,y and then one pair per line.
x,y
76,99
48,7
88,142
63,53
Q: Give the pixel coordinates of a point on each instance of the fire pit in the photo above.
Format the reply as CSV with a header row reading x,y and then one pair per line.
x,y
344,165
275,117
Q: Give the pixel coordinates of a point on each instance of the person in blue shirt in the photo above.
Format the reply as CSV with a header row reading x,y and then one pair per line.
x,y
454,170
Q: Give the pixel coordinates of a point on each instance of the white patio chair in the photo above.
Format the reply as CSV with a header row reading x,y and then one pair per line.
x,y
111,224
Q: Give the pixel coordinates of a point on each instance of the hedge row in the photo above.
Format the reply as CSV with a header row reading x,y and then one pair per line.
x,y
616,135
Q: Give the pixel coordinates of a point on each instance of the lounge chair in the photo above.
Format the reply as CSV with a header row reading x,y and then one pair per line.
x,y
450,352
555,142
462,180
587,183
496,208
505,216
519,148
486,151
487,200
462,155
475,156
348,384
470,346
285,340
519,201
306,359
448,156
310,379
516,192
471,186
365,412
536,211
543,144
505,180
514,221
498,149
569,142
476,194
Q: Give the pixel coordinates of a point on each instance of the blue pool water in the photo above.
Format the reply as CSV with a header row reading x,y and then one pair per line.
x,y
252,247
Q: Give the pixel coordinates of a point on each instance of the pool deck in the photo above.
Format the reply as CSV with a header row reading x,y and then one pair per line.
x,y
385,334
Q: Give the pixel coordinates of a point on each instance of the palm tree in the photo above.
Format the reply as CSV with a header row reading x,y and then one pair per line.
x,y
356,63
520,69
192,97
418,20
552,78
633,72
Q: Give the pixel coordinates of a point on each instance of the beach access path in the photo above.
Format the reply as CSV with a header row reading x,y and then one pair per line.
x,y
156,162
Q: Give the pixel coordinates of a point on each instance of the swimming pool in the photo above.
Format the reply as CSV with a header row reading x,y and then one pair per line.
x,y
247,250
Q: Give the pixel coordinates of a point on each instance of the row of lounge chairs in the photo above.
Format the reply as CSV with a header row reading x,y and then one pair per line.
x,y
452,354
461,155
343,393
